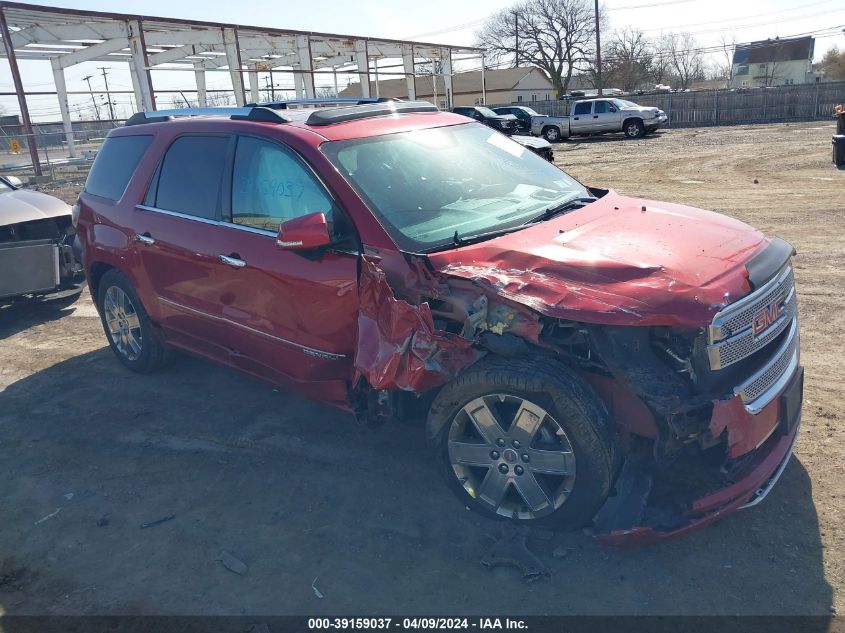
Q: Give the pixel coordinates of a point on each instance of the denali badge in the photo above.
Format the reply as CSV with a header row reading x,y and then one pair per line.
x,y
767,315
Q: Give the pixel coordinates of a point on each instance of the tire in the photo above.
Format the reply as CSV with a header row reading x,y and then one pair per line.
x,y
119,304
572,452
551,133
634,128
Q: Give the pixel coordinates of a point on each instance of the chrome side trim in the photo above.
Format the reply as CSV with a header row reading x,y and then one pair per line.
x,y
317,353
228,225
176,214
766,489
786,355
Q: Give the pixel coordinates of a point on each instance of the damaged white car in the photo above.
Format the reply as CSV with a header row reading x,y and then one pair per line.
x,y
39,255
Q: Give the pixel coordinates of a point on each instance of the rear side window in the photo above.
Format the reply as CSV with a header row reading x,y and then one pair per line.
x,y
583,108
116,162
190,176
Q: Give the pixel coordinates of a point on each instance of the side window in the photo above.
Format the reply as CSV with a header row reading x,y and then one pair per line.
x,y
271,185
583,107
115,163
602,107
190,176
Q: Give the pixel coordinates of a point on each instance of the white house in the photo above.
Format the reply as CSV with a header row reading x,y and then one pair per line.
x,y
777,62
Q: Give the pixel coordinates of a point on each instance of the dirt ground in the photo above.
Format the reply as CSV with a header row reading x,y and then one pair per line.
x,y
313,504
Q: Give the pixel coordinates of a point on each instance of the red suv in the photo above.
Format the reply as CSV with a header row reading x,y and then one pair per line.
x,y
578,356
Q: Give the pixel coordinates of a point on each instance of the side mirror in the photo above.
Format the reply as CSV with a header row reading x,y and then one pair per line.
x,y
14,181
304,233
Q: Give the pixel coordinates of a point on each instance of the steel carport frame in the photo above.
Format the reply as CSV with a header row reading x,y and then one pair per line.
x,y
66,37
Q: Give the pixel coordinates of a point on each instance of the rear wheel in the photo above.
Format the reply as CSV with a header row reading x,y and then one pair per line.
x,y
551,133
526,441
132,336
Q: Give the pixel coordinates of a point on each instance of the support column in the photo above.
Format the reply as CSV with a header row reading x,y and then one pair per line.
x,y
139,62
64,107
199,77
362,59
410,74
483,82
298,84
254,95
446,70
306,65
233,60
375,76
16,78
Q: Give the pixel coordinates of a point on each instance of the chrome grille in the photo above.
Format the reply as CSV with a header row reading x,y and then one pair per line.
x,y
731,334
759,389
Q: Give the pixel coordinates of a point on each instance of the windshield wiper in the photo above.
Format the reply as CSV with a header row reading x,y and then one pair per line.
x,y
569,205
463,240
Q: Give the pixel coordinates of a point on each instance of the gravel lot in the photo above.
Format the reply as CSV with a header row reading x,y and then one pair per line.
x,y
90,453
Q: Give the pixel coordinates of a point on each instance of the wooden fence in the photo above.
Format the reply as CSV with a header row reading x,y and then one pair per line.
x,y
807,102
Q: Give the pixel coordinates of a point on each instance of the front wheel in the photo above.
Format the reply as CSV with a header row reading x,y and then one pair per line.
x,y
634,128
551,133
525,440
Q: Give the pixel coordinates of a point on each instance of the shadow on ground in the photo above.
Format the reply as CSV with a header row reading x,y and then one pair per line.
x,y
314,505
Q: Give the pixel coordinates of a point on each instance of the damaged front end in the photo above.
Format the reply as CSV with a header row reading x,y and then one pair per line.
x,y
706,401
39,253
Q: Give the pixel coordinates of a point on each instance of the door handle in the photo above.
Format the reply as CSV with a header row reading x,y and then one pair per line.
x,y
595,116
575,118
234,262
145,239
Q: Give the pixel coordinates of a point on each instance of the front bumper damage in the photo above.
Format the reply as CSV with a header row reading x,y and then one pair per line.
x,y
749,484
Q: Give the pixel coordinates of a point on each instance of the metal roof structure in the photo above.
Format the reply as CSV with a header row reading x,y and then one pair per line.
x,y
66,37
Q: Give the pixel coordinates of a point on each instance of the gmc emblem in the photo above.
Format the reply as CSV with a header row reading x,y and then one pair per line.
x,y
767,315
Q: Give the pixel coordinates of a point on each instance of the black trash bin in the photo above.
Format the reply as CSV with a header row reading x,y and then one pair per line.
x,y
839,150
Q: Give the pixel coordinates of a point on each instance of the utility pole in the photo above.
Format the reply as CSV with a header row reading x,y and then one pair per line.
x,y
516,34
598,50
108,94
93,100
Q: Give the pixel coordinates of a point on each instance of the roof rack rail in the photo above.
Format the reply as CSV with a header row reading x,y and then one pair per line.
x,y
283,105
330,116
247,113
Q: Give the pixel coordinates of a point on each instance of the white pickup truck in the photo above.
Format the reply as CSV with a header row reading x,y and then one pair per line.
x,y
596,116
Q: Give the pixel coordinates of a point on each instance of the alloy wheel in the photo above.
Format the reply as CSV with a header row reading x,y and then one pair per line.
x,y
123,323
511,456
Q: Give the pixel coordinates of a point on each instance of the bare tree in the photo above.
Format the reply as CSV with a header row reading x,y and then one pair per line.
x,y
627,60
723,65
685,57
556,36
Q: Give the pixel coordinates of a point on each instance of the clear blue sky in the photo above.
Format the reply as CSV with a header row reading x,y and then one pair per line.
x,y
443,21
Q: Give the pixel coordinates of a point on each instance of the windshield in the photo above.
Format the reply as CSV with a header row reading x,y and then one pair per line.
x,y
624,104
531,112
487,112
429,186
5,187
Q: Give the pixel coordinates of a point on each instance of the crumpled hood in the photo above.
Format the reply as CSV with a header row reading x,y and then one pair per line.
x,y
612,262
23,205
